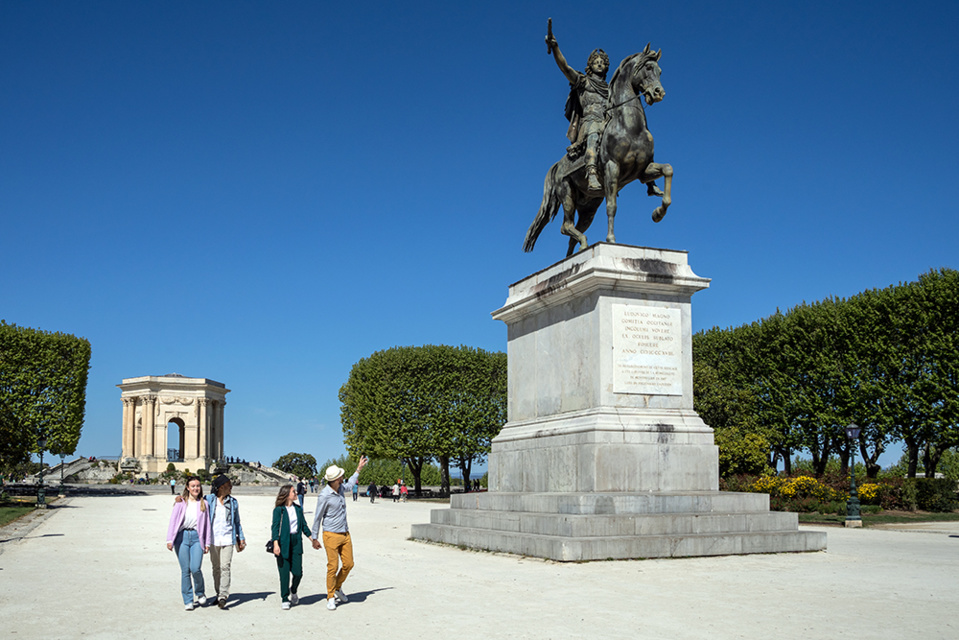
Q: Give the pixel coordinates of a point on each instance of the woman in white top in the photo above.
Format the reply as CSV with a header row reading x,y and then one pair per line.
x,y
288,525
189,535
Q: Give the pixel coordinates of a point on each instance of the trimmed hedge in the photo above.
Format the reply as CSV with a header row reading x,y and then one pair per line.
x,y
804,493
934,494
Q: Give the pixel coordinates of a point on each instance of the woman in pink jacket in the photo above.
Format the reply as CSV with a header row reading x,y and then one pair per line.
x,y
189,535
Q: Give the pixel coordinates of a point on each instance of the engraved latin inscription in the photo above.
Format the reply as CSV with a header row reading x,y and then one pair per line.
x,y
647,350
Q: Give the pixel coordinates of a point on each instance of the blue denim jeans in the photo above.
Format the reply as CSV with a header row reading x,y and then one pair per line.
x,y
190,554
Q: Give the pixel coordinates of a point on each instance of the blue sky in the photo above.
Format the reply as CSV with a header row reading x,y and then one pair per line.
x,y
264,193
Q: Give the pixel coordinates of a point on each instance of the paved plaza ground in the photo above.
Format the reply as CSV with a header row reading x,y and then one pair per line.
x,y
97,567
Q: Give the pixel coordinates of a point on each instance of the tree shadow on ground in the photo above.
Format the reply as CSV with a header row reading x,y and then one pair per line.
x,y
46,535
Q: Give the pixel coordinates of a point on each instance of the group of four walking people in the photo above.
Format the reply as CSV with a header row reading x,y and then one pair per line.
x,y
212,525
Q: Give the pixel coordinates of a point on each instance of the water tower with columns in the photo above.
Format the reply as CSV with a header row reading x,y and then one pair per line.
x,y
172,419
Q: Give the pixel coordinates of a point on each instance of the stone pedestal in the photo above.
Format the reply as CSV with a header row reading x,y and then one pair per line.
x,y
603,455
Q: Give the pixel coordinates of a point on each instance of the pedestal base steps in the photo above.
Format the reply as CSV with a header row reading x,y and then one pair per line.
x,y
618,526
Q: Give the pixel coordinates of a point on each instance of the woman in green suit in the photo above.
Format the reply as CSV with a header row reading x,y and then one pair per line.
x,y
288,525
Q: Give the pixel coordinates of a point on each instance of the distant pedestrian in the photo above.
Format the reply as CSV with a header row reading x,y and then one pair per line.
x,y
301,491
173,486
404,491
371,492
395,491
331,517
356,490
288,525
189,535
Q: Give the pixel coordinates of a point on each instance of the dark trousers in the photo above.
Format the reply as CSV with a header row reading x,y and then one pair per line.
x,y
293,564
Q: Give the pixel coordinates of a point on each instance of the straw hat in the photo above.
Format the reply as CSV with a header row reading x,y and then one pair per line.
x,y
333,472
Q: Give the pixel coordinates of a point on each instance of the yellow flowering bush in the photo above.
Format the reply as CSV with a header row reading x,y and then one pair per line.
x,y
830,492
870,493
796,488
767,484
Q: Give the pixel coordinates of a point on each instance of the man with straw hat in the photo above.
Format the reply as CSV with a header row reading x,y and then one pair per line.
x,y
331,515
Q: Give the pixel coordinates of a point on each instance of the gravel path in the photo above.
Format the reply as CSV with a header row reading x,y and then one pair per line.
x,y
97,567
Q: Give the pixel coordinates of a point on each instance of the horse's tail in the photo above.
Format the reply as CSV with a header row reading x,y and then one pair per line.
x,y
547,209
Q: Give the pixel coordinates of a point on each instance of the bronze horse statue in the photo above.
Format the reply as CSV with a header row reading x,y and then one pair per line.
x,y
625,155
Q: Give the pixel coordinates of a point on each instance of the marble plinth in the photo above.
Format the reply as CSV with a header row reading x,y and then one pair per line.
x,y
603,455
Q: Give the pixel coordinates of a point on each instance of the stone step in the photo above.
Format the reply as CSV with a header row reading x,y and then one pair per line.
x,y
568,549
614,503
585,526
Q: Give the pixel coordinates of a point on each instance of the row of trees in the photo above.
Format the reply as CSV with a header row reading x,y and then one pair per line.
x,y
887,360
425,403
378,471
384,472
43,381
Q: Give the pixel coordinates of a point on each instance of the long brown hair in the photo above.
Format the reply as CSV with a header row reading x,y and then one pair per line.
x,y
186,492
283,495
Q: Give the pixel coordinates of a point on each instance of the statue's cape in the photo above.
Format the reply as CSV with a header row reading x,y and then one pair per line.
x,y
574,108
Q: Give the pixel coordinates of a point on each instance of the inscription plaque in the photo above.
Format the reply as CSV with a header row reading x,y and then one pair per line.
x,y
647,350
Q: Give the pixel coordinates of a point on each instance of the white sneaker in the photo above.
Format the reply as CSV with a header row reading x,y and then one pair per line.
x,y
331,604
341,597
294,599
189,607
285,606
202,600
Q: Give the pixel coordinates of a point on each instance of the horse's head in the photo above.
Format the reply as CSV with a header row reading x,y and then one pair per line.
x,y
642,71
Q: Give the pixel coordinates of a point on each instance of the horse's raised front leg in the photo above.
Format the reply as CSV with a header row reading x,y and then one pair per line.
x,y
654,171
611,183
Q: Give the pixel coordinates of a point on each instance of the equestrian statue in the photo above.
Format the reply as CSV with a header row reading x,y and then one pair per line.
x,y
610,144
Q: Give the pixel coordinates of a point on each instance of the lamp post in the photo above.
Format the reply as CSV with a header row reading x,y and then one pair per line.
x,y
853,516
62,490
41,493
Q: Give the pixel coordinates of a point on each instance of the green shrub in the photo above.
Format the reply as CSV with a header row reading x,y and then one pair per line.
x,y
834,507
935,494
910,494
870,509
800,505
739,483
121,477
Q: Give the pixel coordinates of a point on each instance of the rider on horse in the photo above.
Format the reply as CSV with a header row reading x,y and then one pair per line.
x,y
586,105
